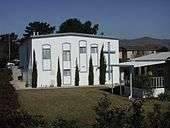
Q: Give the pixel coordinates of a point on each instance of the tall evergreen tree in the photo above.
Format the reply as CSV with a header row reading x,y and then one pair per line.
x,y
77,75
91,74
58,74
34,72
102,76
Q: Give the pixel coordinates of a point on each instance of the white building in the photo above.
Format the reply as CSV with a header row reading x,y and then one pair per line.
x,y
67,47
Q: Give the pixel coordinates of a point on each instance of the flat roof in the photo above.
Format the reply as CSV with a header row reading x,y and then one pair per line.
x,y
72,34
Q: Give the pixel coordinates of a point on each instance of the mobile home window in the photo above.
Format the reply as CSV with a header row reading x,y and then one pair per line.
x,y
66,55
67,72
46,57
47,53
94,49
82,50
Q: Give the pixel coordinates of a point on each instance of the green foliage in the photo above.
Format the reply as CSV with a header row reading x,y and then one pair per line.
x,y
8,96
91,73
77,75
75,25
103,66
108,117
41,27
163,49
4,49
20,119
154,118
137,117
163,97
61,123
167,74
34,72
58,75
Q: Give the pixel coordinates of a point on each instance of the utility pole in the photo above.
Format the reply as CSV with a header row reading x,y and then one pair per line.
x,y
9,48
109,59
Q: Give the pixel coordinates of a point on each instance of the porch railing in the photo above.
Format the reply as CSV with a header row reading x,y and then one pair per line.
x,y
157,82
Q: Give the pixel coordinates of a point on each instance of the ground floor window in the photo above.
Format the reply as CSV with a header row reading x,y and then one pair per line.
x,y
67,72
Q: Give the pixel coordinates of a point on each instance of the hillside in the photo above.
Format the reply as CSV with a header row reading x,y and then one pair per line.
x,y
145,43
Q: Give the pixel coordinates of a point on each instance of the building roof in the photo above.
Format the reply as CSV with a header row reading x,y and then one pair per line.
x,y
72,34
162,56
152,59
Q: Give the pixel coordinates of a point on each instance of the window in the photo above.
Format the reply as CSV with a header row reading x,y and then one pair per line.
x,y
66,55
94,49
46,54
82,50
67,72
46,57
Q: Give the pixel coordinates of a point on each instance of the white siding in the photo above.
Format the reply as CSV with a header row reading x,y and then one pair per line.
x,y
47,78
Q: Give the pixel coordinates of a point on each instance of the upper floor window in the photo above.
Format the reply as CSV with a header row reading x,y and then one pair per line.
x,y
66,55
46,56
83,50
46,52
66,51
94,49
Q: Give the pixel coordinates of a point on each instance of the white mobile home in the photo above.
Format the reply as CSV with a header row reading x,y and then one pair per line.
x,y
67,47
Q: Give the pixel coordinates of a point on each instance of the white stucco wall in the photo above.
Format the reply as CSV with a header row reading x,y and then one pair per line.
x,y
47,78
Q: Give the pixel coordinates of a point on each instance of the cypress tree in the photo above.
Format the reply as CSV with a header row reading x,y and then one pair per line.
x,y
34,72
91,74
76,75
102,76
58,74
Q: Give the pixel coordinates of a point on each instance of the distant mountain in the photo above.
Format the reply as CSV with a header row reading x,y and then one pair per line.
x,y
145,43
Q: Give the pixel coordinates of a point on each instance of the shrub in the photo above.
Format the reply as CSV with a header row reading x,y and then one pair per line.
x,y
21,120
107,117
34,72
58,75
102,77
163,96
137,118
61,123
76,75
91,74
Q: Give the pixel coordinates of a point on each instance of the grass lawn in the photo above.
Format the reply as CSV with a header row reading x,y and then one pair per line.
x,y
70,103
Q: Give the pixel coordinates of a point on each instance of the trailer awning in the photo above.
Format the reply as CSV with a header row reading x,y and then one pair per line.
x,y
142,63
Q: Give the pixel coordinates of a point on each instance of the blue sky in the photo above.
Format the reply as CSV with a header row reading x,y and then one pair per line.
x,y
117,18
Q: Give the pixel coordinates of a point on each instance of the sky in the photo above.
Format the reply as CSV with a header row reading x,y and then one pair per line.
x,y
117,18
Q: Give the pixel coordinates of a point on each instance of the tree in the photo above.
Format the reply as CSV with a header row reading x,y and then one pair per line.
x,y
8,98
102,76
9,42
41,27
58,75
75,25
91,74
34,72
163,49
76,75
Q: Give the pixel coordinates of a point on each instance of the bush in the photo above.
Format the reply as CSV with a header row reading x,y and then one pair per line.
x,y
91,74
21,120
163,97
58,75
77,75
34,72
108,117
61,123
